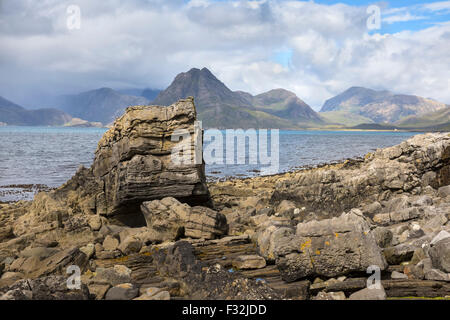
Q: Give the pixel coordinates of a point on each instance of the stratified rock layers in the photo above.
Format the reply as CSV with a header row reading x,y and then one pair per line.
x,y
133,161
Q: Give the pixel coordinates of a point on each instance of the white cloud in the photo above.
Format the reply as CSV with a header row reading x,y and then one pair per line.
x,y
437,6
146,43
403,18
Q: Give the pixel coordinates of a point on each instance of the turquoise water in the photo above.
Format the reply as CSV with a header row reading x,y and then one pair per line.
x,y
51,155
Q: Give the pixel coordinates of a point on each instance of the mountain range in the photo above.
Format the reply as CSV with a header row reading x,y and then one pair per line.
x,y
219,107
13,114
102,105
364,105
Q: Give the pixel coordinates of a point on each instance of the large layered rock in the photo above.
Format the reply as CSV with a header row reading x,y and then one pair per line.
x,y
134,160
328,248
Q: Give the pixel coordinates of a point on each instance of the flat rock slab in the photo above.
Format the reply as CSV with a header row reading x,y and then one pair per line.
x,y
249,262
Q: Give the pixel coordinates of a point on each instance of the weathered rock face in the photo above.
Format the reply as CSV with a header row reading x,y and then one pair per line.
x,y
328,248
440,255
168,219
421,161
46,288
134,163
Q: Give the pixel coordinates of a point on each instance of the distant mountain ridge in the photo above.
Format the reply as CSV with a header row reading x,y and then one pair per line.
x,y
219,107
13,114
378,106
101,105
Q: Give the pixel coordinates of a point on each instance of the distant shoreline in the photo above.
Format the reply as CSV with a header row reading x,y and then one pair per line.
x,y
282,129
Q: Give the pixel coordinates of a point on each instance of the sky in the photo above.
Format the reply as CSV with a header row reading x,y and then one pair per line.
x,y
316,49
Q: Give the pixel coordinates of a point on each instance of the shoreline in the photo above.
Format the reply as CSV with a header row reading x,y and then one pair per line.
x,y
210,180
400,130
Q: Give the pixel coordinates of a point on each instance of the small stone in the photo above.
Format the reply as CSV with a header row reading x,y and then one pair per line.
x,y
440,236
88,250
369,294
130,245
113,276
330,296
95,222
249,262
110,243
124,291
398,275
98,290
437,275
444,191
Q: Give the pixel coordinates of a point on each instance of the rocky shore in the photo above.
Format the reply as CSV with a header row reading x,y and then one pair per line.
x,y
138,226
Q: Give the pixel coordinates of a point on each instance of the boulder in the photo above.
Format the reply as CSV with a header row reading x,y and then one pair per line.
x,y
271,234
112,276
286,208
322,295
383,236
135,159
124,291
110,243
249,262
153,293
369,294
130,245
98,290
437,275
95,222
444,192
56,263
168,219
329,248
88,250
6,233
395,275
440,255
46,288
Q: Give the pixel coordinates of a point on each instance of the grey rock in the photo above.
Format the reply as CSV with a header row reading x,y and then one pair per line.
x,y
271,234
372,209
134,162
249,262
423,201
329,248
286,208
52,287
267,211
440,255
437,275
444,192
369,294
130,245
110,243
112,276
383,236
398,275
124,291
440,236
168,219
330,296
